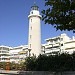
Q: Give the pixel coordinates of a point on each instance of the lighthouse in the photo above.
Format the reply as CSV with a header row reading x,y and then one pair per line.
x,y
34,38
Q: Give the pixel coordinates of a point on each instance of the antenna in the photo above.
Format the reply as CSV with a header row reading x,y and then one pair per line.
x,y
34,2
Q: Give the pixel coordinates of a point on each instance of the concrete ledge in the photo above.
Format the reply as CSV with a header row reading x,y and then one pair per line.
x,y
4,72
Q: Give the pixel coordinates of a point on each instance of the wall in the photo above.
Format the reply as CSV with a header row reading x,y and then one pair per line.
x,y
46,73
36,73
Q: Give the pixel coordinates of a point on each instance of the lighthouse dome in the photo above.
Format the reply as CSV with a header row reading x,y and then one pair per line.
x,y
34,7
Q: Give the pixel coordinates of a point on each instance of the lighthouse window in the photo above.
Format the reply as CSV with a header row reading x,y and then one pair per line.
x,y
31,28
30,36
30,45
31,20
31,12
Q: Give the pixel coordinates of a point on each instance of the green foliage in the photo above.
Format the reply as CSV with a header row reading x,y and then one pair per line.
x,y
12,66
22,66
30,63
60,62
16,66
60,14
42,63
2,65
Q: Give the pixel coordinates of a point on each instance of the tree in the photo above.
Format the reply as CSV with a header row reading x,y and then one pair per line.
x,y
73,61
60,14
56,63
30,63
3,65
14,66
42,63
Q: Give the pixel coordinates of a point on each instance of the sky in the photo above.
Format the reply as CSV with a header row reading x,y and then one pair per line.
x,y
14,23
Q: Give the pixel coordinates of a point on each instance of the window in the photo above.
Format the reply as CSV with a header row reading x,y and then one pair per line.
x,y
30,36
31,12
61,39
31,20
30,45
31,28
61,44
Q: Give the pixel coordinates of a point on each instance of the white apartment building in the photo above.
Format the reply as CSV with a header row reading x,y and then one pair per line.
x,y
4,53
13,54
18,54
60,44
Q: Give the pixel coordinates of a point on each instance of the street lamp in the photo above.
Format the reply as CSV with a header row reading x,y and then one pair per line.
x,y
29,52
44,50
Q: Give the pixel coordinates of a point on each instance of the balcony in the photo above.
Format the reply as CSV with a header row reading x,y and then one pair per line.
x,y
4,57
4,53
48,45
4,60
52,50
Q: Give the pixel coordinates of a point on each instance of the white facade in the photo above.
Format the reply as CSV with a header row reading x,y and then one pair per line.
x,y
55,45
13,54
4,53
34,39
60,44
18,54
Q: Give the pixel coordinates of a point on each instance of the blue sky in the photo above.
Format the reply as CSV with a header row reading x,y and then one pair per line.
x,y
14,22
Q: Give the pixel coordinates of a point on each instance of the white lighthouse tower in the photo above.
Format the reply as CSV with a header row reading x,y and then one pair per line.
x,y
34,39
